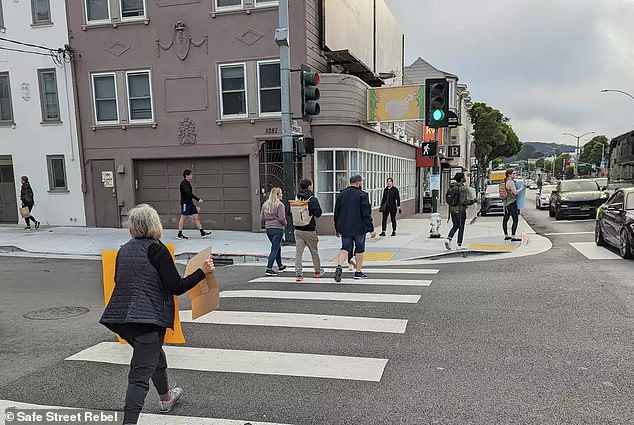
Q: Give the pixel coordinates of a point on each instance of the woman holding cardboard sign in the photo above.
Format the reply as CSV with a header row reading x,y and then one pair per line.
x,y
142,307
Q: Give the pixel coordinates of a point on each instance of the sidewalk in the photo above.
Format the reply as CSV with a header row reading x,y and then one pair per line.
x,y
412,243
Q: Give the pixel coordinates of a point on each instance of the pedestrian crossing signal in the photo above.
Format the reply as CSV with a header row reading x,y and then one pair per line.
x,y
428,148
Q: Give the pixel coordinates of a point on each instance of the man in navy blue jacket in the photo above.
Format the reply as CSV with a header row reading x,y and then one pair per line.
x,y
353,219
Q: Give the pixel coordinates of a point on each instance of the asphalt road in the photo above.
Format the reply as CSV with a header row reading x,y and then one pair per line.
x,y
545,339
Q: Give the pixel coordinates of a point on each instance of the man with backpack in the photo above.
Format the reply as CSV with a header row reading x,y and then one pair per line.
x,y
458,198
304,211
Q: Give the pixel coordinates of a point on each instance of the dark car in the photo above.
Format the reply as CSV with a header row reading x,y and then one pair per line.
x,y
491,201
578,197
615,221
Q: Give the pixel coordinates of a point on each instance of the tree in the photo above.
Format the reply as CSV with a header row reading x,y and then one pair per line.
x,y
592,151
492,135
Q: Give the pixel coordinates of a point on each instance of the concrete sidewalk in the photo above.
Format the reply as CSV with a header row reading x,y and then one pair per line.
x,y
411,244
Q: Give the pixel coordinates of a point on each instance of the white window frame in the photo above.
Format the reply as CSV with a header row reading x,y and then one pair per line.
x,y
49,21
94,96
223,8
260,113
266,3
246,91
135,18
40,82
11,121
97,21
127,95
49,167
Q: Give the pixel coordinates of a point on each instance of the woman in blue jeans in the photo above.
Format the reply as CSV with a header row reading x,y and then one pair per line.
x,y
273,217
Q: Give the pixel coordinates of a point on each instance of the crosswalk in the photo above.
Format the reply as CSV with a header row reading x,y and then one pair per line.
x,y
591,251
279,295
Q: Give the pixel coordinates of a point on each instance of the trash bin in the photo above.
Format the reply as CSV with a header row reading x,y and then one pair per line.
x,y
427,204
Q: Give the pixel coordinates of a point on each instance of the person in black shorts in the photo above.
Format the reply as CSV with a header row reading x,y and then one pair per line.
x,y
188,209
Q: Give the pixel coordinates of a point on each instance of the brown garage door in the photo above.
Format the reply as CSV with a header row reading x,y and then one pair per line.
x,y
223,183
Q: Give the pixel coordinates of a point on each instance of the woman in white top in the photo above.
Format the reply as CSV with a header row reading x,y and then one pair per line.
x,y
510,206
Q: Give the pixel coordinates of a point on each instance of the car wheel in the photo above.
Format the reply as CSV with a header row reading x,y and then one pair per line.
x,y
537,206
598,235
559,215
626,248
551,213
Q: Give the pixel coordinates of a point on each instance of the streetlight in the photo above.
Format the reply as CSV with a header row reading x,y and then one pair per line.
x,y
618,91
577,150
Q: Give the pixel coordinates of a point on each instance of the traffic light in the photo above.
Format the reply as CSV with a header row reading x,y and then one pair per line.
x,y
428,148
310,94
437,97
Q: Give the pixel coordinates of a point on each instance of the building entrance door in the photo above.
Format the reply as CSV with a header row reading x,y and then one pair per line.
x,y
8,198
105,193
272,167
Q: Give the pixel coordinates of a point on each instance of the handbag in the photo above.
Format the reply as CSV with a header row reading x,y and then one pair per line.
x,y
24,212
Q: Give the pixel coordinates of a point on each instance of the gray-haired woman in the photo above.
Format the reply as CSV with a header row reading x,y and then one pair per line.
x,y
142,308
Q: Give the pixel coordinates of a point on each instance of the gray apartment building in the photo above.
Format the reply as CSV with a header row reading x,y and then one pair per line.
x,y
165,85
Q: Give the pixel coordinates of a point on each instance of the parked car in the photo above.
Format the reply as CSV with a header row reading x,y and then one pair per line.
x,y
602,182
542,199
491,201
533,186
578,197
615,221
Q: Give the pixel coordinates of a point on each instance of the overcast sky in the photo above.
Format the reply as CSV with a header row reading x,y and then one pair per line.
x,y
542,63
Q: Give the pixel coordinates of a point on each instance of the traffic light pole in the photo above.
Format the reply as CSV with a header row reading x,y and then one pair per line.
x,y
435,170
282,40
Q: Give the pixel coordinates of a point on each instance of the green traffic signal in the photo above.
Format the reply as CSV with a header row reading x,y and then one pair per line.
x,y
438,115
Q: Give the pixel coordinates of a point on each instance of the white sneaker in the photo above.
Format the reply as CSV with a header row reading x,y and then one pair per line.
x,y
461,248
448,244
175,395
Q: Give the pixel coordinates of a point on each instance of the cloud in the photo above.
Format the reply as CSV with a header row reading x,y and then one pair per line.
x,y
542,63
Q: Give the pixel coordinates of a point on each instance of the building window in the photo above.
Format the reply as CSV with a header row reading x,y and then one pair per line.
x,y
48,95
266,2
105,98
233,91
97,11
228,4
334,168
41,12
6,109
56,172
132,9
1,16
139,96
270,89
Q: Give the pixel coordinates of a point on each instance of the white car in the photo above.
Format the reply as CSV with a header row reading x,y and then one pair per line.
x,y
542,200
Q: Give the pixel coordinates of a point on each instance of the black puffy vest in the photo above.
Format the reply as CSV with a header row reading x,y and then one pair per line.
x,y
138,295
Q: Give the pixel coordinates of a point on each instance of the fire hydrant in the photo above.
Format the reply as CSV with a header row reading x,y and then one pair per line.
x,y
435,222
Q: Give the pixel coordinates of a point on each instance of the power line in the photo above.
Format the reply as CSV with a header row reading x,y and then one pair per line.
x,y
28,44
24,51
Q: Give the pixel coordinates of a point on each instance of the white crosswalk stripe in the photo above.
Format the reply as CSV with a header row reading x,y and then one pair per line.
x,y
348,281
593,252
369,270
324,296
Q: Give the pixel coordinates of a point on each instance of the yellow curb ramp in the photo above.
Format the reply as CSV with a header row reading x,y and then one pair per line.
x,y
374,256
492,247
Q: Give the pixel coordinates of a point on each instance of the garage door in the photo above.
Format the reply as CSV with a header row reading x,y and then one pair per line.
x,y
223,183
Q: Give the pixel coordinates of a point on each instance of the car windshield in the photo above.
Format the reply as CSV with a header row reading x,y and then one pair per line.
x,y
491,190
578,186
629,203
602,182
548,189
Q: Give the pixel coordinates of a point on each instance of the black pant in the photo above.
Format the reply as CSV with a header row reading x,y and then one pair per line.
x,y
29,205
391,213
510,210
148,361
459,219
275,236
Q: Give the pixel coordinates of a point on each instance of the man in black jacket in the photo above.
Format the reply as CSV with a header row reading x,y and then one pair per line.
x,y
188,209
353,219
306,236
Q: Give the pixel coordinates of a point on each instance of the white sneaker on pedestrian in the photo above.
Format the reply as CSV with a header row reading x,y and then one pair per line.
x,y
448,244
175,395
461,248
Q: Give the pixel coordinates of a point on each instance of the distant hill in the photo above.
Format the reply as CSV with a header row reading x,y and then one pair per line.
x,y
539,149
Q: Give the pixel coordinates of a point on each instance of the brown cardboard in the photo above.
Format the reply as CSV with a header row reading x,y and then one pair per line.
x,y
205,297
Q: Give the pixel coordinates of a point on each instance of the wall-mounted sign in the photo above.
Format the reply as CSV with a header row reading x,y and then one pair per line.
x,y
402,103
107,178
453,151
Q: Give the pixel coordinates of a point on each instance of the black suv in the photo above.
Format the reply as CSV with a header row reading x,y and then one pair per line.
x,y
578,197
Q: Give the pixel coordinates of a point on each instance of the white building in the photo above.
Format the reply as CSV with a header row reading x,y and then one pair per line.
x,y
38,136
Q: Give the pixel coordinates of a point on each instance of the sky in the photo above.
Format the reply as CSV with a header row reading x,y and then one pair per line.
x,y
542,63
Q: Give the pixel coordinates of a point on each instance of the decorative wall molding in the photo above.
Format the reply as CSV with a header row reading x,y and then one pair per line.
x,y
182,41
117,48
25,89
249,36
187,132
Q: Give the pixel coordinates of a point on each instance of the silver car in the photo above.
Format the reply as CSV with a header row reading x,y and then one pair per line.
x,y
542,200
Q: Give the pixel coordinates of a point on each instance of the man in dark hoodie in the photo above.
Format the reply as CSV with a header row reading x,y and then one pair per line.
x,y
306,236
458,212
353,219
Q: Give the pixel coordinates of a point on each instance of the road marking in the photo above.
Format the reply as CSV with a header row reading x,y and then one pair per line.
x,y
144,419
594,252
309,268
492,247
326,280
244,361
295,320
322,296
568,233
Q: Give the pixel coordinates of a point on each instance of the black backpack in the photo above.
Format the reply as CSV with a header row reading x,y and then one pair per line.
x,y
452,197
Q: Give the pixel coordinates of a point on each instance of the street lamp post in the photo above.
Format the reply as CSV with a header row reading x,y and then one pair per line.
x,y
577,150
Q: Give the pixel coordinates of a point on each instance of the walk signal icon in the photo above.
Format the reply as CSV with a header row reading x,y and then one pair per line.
x,y
428,148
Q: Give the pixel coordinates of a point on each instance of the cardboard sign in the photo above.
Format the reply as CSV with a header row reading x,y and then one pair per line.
x,y
108,264
205,297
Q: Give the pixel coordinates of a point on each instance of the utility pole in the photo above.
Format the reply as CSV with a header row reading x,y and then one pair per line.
x,y
282,40
577,150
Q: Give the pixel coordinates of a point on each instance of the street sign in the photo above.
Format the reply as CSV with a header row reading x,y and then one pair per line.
x,y
453,151
428,148
452,118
